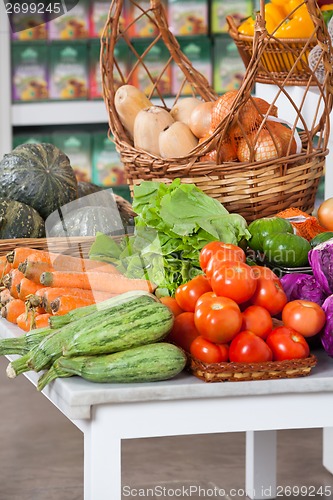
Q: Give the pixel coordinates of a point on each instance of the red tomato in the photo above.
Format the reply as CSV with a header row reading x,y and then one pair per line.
x,y
223,251
218,319
224,349
304,316
247,347
183,331
270,295
172,304
205,296
264,272
258,320
286,343
234,280
187,295
206,351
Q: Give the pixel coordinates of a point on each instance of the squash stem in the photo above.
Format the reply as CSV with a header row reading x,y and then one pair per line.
x,y
54,372
19,366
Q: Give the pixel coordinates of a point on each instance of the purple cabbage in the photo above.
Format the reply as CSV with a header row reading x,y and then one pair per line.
x,y
303,286
326,336
321,261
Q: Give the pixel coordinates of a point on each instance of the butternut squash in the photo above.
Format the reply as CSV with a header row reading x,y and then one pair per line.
x,y
128,101
147,127
176,140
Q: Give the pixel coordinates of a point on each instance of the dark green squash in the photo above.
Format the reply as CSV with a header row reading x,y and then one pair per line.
x,y
18,220
86,221
84,188
39,175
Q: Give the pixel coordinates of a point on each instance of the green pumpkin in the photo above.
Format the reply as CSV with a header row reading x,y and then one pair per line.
x,y
86,221
39,175
18,220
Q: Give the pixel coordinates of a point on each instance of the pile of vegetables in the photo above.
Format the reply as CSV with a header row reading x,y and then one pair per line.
x,y
118,340
229,312
175,133
36,181
38,284
173,223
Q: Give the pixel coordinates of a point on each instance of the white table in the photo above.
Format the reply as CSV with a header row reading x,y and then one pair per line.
x,y
108,413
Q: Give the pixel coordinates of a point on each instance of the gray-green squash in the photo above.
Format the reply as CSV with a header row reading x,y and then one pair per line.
x,y
39,175
18,220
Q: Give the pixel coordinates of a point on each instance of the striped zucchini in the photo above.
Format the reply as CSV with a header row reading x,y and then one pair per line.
x,y
23,344
45,350
103,332
148,363
124,298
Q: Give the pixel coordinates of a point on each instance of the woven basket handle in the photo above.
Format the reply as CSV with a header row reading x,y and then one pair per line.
x,y
197,80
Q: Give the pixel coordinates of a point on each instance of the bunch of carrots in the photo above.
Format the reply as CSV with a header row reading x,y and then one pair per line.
x,y
37,284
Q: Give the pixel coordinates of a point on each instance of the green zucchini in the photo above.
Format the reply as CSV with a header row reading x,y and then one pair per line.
x,y
44,351
145,325
105,332
148,363
23,344
125,298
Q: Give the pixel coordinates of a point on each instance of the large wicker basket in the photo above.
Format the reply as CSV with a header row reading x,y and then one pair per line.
x,y
252,188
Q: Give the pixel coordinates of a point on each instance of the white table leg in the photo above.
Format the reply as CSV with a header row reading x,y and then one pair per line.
x,y
102,458
328,448
260,464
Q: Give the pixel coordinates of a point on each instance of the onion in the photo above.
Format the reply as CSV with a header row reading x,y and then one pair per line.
x,y
183,108
325,214
201,119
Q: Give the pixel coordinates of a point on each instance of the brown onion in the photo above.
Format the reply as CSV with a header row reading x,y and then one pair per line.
x,y
201,119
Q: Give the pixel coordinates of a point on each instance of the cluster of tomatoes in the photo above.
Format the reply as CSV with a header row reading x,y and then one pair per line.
x,y
226,313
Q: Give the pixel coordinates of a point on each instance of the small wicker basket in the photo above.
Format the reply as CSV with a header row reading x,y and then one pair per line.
x,y
252,188
237,372
278,58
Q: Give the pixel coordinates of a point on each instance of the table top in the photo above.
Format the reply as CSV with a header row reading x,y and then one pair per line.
x,y
75,396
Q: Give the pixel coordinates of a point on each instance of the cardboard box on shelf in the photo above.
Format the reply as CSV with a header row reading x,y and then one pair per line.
x,y
69,70
72,25
143,27
28,27
19,139
198,51
238,9
77,146
229,68
107,167
30,79
156,59
188,17
98,15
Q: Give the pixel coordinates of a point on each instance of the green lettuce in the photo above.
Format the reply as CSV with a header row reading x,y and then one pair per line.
x,y
172,225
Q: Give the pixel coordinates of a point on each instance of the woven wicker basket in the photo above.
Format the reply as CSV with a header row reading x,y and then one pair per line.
x,y
238,372
253,188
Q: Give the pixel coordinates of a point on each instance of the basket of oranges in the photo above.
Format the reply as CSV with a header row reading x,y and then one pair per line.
x,y
234,147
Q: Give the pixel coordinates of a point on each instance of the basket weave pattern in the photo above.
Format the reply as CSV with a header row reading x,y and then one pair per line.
x,y
237,372
254,188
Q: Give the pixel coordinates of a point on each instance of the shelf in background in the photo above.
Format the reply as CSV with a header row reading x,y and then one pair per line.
x,y
58,113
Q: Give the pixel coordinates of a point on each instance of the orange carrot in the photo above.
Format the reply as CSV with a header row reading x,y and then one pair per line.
x,y
11,280
48,294
63,262
5,296
27,287
65,303
31,321
15,257
95,281
13,309
33,269
5,266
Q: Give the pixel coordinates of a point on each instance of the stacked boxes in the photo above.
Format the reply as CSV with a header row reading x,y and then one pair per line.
x,y
67,66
